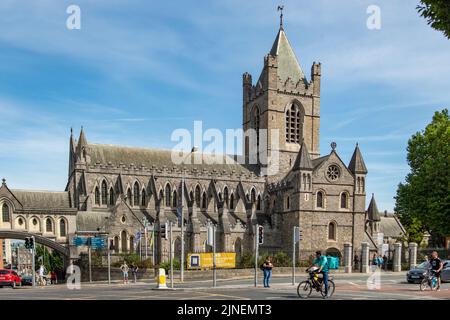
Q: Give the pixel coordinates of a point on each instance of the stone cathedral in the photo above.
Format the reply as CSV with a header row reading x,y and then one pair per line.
x,y
113,188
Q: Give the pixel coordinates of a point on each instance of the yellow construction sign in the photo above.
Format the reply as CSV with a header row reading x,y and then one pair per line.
x,y
205,260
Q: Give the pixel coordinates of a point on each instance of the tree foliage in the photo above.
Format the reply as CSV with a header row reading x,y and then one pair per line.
x,y
51,260
437,14
423,201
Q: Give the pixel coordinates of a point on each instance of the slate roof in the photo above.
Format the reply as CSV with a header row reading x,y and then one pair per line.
x,y
357,164
372,210
391,227
117,155
47,200
288,66
91,220
316,162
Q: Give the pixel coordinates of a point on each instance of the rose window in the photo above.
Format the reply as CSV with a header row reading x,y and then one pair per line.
x,y
333,172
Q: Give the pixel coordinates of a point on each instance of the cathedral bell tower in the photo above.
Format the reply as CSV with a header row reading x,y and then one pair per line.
x,y
282,100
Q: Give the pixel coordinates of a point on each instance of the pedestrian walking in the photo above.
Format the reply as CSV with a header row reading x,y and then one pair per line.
x,y
356,262
385,262
134,269
124,267
374,264
41,273
53,277
267,272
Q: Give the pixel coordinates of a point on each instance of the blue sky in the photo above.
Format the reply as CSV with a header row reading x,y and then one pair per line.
x,y
137,70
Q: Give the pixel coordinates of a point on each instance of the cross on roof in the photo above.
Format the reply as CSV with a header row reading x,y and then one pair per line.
x,y
280,8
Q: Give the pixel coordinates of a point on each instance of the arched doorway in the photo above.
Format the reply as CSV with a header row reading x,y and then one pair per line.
x,y
333,252
131,244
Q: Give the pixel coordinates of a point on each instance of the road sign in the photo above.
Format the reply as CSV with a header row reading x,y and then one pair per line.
x,y
225,260
93,242
98,243
297,236
210,238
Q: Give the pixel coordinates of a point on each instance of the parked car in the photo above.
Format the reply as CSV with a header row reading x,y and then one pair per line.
x,y
445,273
9,278
27,280
417,274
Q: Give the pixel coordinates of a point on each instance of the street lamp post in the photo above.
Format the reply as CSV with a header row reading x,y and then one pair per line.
x,y
194,149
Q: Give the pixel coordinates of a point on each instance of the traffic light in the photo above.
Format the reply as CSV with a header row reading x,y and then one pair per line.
x,y
163,229
29,243
260,235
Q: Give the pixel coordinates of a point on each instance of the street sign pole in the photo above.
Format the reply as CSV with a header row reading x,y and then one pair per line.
x,y
256,254
293,256
182,232
170,254
153,244
90,262
214,255
109,261
33,264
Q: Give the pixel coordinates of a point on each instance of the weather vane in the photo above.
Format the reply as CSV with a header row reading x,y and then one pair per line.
x,y
280,8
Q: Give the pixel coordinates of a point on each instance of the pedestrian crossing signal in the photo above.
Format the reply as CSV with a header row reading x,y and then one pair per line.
x,y
29,243
163,228
260,235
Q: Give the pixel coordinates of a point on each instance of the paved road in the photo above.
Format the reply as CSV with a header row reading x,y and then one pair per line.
x,y
348,287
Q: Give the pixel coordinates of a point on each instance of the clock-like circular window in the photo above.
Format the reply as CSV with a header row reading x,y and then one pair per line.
x,y
333,172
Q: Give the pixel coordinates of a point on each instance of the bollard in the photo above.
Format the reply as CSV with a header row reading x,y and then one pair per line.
x,y
162,279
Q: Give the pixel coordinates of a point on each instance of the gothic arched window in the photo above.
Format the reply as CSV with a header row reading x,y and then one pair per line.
x,y
253,196
48,225
197,195
294,124
104,193
319,199
143,198
129,196
168,195
112,200
136,194
226,196
175,199
204,200
344,200
332,231
5,213
258,203
232,201
97,196
62,228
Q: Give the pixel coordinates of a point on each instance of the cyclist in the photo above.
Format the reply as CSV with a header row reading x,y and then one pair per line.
x,y
322,264
436,266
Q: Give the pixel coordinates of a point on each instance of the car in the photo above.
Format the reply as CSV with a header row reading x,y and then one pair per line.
x,y
445,273
9,278
27,280
417,274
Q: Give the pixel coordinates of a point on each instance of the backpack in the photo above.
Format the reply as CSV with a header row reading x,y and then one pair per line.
x,y
262,267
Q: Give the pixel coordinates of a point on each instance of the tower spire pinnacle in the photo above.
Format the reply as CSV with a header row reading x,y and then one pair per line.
x,y
281,8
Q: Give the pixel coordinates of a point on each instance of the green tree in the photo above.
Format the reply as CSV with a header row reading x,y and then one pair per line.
x,y
51,260
437,13
423,201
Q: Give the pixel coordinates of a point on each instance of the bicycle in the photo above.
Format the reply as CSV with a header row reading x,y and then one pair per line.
x,y
305,287
430,281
